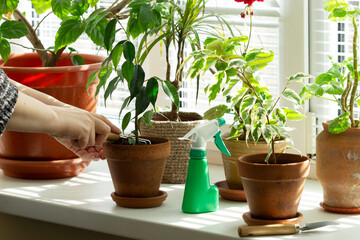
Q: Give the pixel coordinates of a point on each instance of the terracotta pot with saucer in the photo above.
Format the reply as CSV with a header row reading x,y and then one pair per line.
x,y
136,172
273,190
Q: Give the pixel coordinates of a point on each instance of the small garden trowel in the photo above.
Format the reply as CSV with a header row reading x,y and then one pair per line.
x,y
280,229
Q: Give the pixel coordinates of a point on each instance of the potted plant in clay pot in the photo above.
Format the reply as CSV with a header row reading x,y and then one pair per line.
x,y
273,182
54,72
136,162
236,69
176,26
337,146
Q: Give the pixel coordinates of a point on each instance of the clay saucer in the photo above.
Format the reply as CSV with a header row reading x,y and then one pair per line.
x,y
230,194
339,210
253,221
43,169
140,202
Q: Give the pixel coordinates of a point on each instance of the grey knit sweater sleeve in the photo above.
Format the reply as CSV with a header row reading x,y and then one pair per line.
x,y
8,97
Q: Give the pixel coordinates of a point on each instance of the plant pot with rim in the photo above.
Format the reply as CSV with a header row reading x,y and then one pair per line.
x,y
239,148
337,146
177,164
136,171
338,155
56,78
66,83
273,190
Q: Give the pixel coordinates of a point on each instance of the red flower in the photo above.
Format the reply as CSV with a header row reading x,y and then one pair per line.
x,y
249,2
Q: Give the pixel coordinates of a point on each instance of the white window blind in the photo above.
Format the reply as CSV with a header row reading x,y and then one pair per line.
x,y
327,38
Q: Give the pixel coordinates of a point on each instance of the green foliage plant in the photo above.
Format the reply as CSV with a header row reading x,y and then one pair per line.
x,y
171,25
256,116
342,79
77,17
123,67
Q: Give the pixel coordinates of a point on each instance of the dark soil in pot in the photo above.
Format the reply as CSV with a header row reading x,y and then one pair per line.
x,y
273,190
137,170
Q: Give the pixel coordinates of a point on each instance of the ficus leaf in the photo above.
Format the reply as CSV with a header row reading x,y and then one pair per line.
x,y
5,49
292,96
141,102
69,31
77,60
129,51
171,92
137,81
127,70
152,89
116,55
293,115
216,112
109,37
125,121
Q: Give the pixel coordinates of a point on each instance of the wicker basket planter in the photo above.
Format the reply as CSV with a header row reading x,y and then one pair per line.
x,y
177,164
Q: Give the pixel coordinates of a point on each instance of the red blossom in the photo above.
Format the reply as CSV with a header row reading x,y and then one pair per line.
x,y
249,2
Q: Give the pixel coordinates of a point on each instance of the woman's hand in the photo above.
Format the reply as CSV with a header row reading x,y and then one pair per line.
x,y
87,154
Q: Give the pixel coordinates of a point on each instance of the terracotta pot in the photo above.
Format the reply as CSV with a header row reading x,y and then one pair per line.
x,y
273,191
338,167
136,170
65,82
239,148
177,164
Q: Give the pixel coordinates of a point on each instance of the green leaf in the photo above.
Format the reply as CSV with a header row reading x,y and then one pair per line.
x,y
236,63
220,65
319,92
109,37
293,115
196,68
313,87
137,81
95,29
340,124
280,114
116,54
216,112
330,5
358,101
129,51
240,94
299,77
111,88
141,102
147,116
152,89
91,79
231,85
79,7
13,29
125,121
77,60
127,69
8,6
248,103
333,88
171,92
323,78
261,59
61,8
256,132
292,96
339,12
5,49
93,2
41,6
124,105
148,17
334,71
69,31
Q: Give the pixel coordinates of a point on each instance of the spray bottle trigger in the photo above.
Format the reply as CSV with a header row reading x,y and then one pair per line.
x,y
220,144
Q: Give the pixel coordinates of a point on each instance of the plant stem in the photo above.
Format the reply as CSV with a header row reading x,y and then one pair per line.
x,y
251,24
345,94
36,49
137,130
356,74
42,21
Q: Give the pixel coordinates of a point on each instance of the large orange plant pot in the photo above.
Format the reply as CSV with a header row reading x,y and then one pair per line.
x,y
338,167
66,83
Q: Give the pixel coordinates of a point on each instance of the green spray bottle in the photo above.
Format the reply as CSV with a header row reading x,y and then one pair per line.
x,y
199,195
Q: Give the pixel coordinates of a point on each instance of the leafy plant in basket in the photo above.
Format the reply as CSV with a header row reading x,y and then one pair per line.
x,y
143,92
172,25
77,17
340,83
236,69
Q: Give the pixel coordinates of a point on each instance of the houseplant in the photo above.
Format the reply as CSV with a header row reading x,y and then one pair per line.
x,y
136,163
235,65
337,145
173,27
65,82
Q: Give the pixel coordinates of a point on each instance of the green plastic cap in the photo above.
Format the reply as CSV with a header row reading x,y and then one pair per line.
x,y
197,154
221,121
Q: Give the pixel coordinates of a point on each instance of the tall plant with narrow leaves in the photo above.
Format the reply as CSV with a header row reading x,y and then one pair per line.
x,y
341,81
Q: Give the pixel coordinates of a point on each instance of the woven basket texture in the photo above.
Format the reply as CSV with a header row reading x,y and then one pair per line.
x,y
177,164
